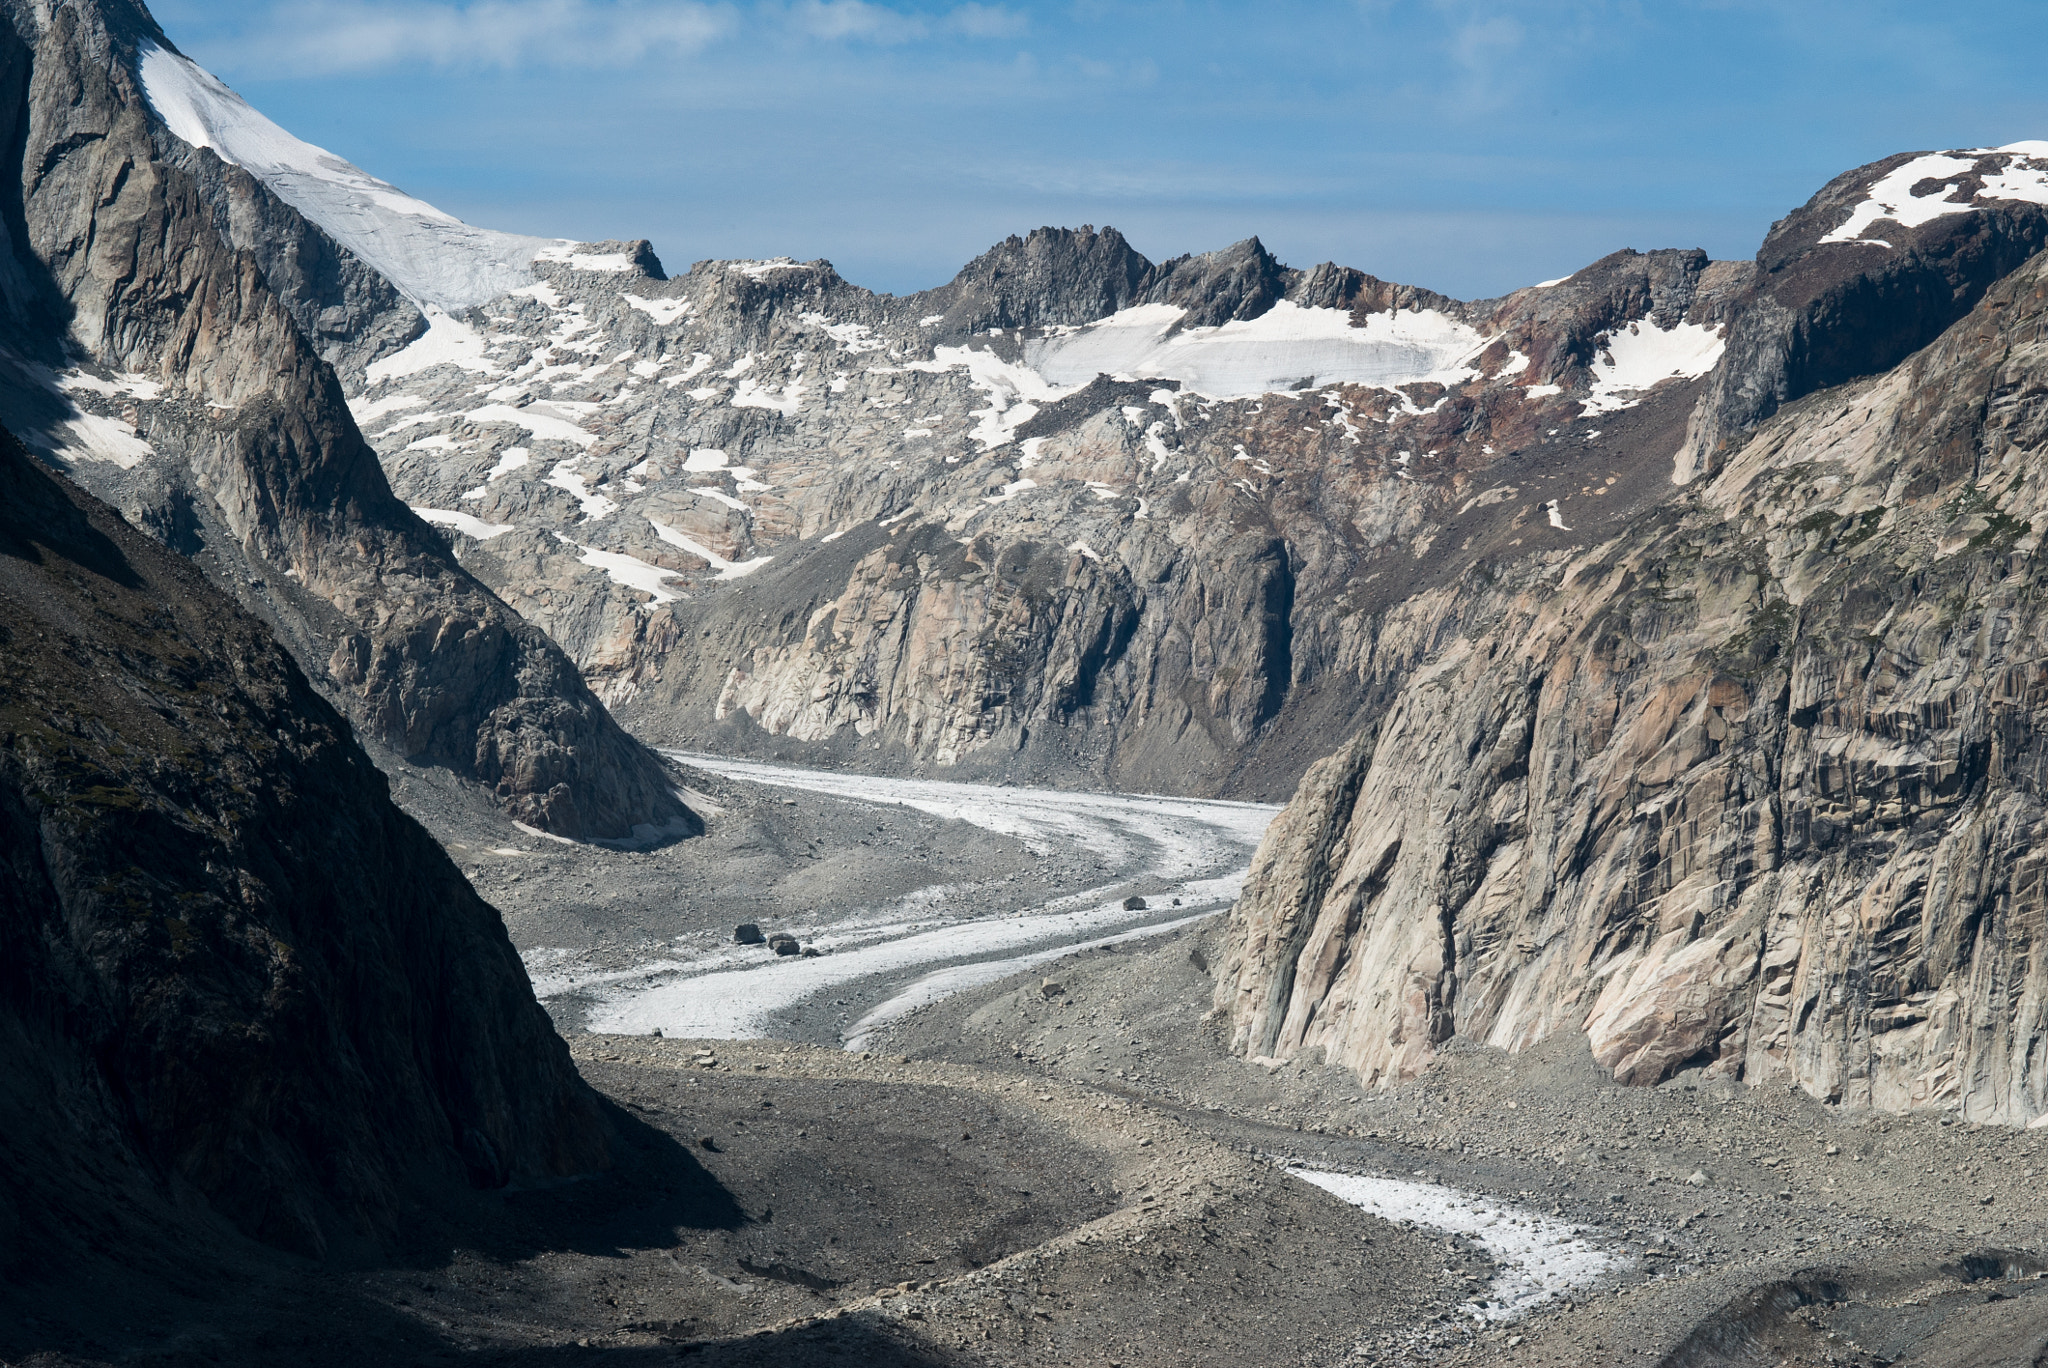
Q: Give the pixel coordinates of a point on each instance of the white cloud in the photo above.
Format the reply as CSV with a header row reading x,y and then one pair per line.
x,y
839,20
330,36
361,35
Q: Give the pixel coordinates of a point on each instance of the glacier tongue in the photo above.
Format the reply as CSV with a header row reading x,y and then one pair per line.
x,y
431,256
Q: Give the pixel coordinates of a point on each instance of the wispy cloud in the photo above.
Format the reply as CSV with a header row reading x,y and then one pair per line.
x,y
333,36
344,35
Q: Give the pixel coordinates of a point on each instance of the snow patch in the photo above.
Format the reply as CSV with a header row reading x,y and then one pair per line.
x,y
604,263
2023,175
1286,348
629,571
664,312
463,523
594,505
431,256
726,569
1639,356
447,341
543,420
509,460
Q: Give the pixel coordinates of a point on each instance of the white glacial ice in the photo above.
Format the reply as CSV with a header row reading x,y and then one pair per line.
x,y
911,951
431,256
1287,347
1542,1257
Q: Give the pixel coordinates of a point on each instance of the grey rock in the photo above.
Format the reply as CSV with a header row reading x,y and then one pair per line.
x,y
156,260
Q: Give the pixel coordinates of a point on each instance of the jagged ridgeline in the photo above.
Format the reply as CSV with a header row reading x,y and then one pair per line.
x,y
1750,781
211,314
229,966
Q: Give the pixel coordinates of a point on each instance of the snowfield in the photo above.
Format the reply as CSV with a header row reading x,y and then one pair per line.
x,y
1286,348
432,257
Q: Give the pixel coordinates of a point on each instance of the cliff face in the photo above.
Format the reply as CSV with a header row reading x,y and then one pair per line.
x,y
230,969
208,412
1750,783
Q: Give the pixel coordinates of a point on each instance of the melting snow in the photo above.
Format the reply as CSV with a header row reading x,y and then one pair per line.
x,y
463,523
2024,176
91,437
663,311
1637,357
753,395
1543,1258
630,571
432,257
595,506
726,569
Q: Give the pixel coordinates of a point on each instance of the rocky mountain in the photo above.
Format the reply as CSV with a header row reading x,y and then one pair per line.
x,y
234,978
1074,514
1746,782
176,328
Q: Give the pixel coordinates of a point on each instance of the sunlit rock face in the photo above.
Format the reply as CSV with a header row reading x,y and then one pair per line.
x,y
1749,784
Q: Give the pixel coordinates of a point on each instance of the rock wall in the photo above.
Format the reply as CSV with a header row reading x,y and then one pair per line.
x,y
1754,785
232,974
124,247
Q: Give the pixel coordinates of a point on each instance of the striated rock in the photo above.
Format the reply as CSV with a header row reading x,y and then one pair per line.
x,y
215,420
1749,786
232,973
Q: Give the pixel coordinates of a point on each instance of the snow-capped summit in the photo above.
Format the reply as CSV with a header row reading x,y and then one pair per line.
x,y
433,257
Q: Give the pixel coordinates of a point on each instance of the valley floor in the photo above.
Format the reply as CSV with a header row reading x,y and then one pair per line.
x,y
1041,1153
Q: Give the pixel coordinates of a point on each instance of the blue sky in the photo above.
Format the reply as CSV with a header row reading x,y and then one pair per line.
x,y
1469,147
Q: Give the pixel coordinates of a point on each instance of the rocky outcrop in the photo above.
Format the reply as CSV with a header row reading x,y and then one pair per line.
x,y
232,974
205,386
1750,784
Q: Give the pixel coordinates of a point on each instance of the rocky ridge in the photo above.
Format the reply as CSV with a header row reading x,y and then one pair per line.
x,y
167,308
1743,786
1084,517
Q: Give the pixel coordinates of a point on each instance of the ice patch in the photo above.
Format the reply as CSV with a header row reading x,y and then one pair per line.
x,y
726,569
1639,356
434,258
1542,1258
1286,348
463,523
